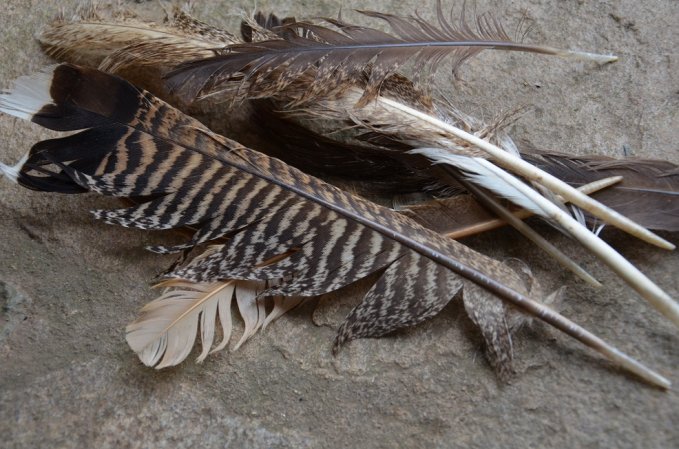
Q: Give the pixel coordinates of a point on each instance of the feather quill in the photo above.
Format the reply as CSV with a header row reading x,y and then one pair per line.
x,y
283,224
462,215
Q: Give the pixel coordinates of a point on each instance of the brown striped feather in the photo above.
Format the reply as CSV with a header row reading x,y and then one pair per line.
x,y
283,224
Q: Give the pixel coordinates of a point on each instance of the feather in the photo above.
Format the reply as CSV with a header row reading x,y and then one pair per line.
x,y
505,214
165,332
123,39
261,26
139,50
336,55
282,223
648,193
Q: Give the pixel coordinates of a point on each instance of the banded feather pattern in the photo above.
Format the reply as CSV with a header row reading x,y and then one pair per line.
x,y
280,223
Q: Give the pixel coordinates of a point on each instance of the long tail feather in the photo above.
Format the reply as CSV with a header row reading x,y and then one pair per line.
x,y
283,224
343,52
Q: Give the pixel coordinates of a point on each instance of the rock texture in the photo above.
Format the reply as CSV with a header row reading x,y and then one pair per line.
x,y
68,285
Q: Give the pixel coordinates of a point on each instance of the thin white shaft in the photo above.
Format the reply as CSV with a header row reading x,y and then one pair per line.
x,y
636,279
523,168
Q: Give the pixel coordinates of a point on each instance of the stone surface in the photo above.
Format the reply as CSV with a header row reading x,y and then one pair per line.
x,y
70,285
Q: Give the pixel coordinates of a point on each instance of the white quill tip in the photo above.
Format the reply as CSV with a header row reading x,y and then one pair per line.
x,y
587,56
12,172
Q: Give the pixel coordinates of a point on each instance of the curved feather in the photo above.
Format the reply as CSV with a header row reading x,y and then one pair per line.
x,y
166,330
341,53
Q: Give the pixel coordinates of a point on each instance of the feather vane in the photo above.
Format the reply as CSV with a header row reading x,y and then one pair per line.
x,y
648,192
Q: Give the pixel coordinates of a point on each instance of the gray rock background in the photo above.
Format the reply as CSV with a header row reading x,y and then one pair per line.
x,y
69,285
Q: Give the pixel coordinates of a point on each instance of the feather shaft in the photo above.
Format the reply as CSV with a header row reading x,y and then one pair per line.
x,y
521,214
628,272
527,231
517,165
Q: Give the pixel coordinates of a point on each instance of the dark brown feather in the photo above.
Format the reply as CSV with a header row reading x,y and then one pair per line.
x,y
336,55
648,193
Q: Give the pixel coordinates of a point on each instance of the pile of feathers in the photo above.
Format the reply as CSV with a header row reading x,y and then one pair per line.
x,y
364,172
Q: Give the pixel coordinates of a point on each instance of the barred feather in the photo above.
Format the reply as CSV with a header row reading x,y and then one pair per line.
x,y
283,224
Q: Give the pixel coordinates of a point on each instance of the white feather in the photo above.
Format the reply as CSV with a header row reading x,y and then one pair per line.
x,y
28,95
281,305
12,172
251,307
166,331
484,174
